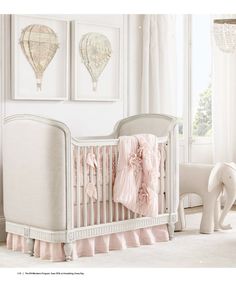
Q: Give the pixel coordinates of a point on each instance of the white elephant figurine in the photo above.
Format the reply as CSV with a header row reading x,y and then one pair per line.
x,y
223,176
208,182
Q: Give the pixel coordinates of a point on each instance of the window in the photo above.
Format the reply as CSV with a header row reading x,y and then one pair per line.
x,y
194,61
201,75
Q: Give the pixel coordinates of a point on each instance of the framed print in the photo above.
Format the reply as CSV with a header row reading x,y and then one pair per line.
x,y
40,58
96,61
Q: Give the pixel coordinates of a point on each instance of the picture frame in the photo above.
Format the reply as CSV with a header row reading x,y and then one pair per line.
x,y
108,75
40,58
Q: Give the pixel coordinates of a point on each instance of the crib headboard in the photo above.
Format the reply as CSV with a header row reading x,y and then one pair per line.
x,y
36,171
157,124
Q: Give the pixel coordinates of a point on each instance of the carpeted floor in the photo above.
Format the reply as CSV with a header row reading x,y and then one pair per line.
x,y
188,249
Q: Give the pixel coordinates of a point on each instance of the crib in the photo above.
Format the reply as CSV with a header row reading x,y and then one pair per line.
x,y
47,177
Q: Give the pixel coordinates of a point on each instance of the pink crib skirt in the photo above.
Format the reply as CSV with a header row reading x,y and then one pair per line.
x,y
91,246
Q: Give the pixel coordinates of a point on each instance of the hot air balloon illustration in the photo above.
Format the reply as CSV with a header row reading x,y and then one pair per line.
x,y
39,44
95,51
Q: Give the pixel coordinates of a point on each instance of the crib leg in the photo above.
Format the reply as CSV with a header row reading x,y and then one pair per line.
x,y
68,251
171,228
181,223
30,246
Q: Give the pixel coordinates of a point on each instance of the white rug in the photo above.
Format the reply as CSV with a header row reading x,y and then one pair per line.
x,y
188,249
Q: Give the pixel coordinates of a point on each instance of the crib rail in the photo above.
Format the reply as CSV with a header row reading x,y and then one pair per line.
x,y
95,163
94,142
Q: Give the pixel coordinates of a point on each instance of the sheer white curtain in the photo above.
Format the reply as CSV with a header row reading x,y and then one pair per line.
x,y
158,93
224,105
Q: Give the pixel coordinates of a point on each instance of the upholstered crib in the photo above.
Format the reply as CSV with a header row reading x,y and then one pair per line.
x,y
47,176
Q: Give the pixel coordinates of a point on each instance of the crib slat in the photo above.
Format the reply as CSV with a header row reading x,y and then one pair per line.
x,y
116,204
162,174
128,214
104,173
78,186
91,199
167,178
85,184
98,184
110,184
172,172
122,212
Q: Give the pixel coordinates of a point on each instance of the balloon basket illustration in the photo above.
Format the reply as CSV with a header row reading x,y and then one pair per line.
x,y
95,51
39,44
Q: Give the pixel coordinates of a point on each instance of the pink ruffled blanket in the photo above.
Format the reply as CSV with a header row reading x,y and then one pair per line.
x,y
136,184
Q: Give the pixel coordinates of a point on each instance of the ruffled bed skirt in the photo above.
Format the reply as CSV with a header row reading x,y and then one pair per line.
x,y
91,246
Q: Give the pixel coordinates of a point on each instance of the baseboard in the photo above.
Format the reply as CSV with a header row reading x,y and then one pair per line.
x,y
2,229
